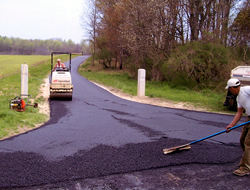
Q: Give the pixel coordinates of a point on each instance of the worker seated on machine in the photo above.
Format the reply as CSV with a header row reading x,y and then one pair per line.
x,y
60,66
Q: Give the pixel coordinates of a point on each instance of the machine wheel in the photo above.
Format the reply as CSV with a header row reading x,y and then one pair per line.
x,y
60,96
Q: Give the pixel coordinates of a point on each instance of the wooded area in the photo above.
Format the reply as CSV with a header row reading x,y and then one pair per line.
x,y
147,33
17,46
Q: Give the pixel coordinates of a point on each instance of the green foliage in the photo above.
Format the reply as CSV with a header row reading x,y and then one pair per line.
x,y
105,57
199,65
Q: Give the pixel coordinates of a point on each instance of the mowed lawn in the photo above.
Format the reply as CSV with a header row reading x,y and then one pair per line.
x,y
13,122
39,67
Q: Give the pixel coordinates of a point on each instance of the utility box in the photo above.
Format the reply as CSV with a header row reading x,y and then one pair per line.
x,y
141,82
24,79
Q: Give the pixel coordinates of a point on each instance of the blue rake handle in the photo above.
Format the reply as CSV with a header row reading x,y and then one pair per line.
x,y
210,136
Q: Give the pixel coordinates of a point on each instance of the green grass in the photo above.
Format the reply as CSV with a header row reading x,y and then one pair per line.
x,y
10,83
209,99
12,64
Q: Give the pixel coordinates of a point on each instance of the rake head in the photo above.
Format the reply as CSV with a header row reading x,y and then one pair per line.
x,y
177,148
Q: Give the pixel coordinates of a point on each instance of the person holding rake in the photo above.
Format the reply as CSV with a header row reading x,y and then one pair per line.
x,y
243,103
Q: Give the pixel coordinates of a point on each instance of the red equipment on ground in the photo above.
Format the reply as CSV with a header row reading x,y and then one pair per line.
x,y
19,104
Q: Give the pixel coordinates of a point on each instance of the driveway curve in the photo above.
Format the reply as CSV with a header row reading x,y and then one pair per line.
x,y
98,135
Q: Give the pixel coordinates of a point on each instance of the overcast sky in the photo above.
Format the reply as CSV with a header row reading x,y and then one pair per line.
x,y
42,19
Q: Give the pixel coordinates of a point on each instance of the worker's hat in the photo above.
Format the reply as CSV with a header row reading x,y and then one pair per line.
x,y
233,82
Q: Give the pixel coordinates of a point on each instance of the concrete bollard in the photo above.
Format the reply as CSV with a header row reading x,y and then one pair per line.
x,y
141,82
24,79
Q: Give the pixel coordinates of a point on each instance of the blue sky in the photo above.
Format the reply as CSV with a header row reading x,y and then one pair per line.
x,y
42,19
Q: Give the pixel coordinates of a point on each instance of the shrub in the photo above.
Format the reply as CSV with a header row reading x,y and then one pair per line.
x,y
105,57
199,65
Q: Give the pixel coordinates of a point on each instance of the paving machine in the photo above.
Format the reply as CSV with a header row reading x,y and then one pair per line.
x,y
61,82
243,74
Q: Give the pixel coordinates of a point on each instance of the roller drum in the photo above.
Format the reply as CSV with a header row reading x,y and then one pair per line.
x,y
66,96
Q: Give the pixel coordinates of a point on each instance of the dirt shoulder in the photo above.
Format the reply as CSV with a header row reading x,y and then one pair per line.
x,y
44,92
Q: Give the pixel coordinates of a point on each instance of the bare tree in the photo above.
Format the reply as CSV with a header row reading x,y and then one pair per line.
x,y
239,30
89,23
148,30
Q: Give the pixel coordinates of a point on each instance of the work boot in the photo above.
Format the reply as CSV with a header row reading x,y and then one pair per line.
x,y
241,171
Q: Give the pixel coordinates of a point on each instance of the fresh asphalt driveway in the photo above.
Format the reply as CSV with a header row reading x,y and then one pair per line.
x,y
100,141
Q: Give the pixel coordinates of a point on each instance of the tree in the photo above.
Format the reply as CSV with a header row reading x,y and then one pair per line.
x,y
37,47
85,47
108,29
240,36
89,23
144,33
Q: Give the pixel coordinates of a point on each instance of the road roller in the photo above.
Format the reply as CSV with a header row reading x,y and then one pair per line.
x,y
60,80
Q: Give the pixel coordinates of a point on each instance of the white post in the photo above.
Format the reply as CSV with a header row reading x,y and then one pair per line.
x,y
141,82
24,79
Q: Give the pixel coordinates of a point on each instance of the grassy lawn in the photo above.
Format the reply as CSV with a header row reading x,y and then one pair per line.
x,y
209,99
12,122
12,64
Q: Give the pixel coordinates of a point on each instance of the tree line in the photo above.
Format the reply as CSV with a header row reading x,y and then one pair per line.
x,y
147,33
17,46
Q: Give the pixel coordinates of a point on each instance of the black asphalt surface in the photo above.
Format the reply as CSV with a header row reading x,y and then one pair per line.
x,y
100,141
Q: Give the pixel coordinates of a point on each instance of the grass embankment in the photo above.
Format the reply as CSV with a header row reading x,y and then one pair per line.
x,y
12,122
209,99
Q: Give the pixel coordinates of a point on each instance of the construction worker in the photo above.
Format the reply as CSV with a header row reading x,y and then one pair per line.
x,y
243,103
59,64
